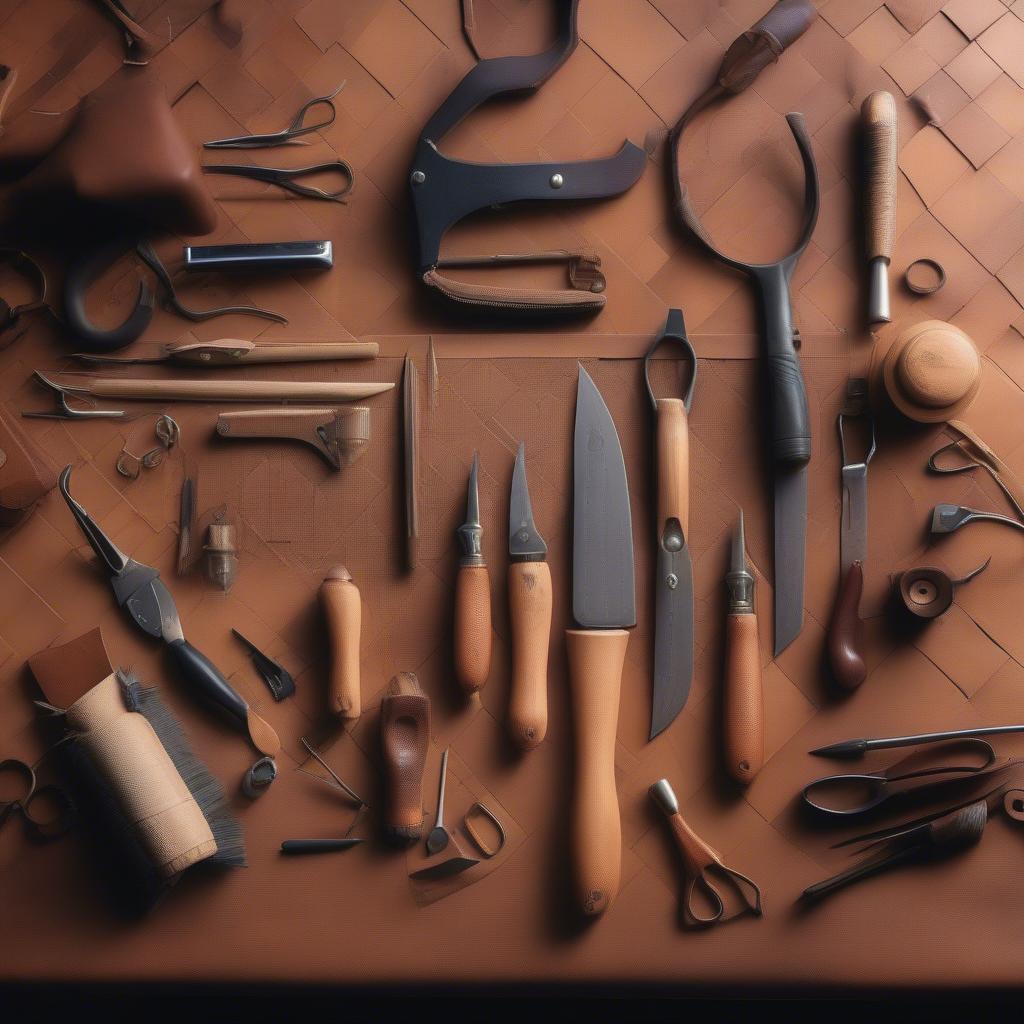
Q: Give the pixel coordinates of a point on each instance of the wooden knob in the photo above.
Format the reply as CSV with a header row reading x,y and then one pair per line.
x,y
342,607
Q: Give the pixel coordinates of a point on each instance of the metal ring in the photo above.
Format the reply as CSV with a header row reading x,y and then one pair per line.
x,y
919,289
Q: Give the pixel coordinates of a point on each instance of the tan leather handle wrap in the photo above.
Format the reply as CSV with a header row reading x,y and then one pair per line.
x,y
744,699
673,463
142,778
343,612
596,658
696,854
529,611
845,632
230,390
472,627
879,115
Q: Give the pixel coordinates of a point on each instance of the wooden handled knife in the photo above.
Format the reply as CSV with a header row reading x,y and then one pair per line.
x,y
604,609
878,113
529,610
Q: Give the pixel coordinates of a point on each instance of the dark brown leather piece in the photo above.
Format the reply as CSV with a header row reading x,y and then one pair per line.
x,y
404,735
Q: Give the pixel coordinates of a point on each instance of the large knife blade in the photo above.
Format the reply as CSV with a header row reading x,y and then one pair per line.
x,y
604,607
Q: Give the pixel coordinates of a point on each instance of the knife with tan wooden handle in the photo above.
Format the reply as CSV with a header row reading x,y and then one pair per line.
x,y
529,612
472,597
604,607
339,597
744,696
878,113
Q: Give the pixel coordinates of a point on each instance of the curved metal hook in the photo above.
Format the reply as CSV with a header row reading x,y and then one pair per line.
x,y
82,273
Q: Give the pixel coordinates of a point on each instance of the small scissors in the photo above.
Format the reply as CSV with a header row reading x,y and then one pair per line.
x,y
47,810
700,860
286,177
912,776
285,136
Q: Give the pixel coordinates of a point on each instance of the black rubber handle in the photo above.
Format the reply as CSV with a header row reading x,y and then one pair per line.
x,y
790,421
299,846
206,678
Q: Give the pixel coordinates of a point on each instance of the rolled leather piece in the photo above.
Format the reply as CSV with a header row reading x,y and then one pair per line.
x,y
404,734
24,476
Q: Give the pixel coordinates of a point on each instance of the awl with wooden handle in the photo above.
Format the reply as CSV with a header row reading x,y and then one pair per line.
x,y
744,696
529,611
472,596
604,609
342,607
878,114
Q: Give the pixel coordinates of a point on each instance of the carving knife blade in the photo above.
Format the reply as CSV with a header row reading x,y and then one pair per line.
x,y
604,607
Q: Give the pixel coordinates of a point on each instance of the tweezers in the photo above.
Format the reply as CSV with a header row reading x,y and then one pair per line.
x,y
284,177
286,135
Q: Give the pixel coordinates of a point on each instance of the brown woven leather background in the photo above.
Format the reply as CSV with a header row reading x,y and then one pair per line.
x,y
355,916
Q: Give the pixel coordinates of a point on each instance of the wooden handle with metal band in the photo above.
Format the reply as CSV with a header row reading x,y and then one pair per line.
x,y
879,115
596,659
744,699
529,611
339,597
673,440
472,627
845,632
226,390
696,854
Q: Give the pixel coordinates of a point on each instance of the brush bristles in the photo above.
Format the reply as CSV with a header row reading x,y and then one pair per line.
x,y
206,790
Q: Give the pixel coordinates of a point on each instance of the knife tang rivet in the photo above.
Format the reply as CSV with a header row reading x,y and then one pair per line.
x,y
418,177
557,181
672,580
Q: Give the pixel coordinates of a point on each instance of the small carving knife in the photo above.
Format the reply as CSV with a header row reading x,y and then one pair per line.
x,y
529,610
673,622
845,628
744,696
472,596
604,609
878,114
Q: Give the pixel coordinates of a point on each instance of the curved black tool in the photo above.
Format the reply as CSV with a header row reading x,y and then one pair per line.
x,y
82,272
295,129
285,177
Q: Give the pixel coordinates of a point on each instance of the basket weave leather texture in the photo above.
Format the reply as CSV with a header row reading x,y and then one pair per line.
x,y
957,73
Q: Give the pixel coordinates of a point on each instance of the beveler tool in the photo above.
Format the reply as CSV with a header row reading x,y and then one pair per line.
x,y
701,863
845,630
878,118
529,612
343,612
139,589
744,686
790,430
604,609
439,837
472,596
278,679
673,588
224,352
340,435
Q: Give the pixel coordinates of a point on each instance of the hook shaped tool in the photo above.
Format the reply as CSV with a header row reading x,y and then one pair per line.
x,y
286,136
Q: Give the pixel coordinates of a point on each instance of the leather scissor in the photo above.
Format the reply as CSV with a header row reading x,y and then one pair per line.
x,y
920,774
47,811
287,177
286,136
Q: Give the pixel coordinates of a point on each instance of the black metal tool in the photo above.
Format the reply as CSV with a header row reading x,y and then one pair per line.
x,y
446,869
294,847
790,421
140,591
278,679
948,518
249,256
286,136
288,177
856,748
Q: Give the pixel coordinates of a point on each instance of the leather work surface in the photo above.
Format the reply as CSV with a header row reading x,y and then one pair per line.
x,y
957,71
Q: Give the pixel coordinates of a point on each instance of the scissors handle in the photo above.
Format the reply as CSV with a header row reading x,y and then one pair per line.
x,y
285,177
